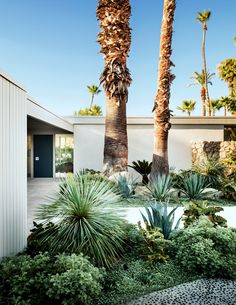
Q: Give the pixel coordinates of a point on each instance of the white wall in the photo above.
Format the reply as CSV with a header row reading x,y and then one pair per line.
x,y
89,141
13,174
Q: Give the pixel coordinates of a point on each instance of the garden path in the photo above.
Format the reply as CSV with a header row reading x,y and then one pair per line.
x,y
200,292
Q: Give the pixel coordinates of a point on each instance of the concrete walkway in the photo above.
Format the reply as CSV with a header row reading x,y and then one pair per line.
x,y
200,292
39,189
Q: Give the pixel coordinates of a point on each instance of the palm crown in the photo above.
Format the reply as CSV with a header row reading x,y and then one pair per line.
x,y
203,17
187,106
93,90
199,78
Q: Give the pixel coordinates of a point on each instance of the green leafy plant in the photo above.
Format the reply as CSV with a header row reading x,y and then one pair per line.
x,y
194,186
43,279
83,220
212,169
143,168
160,188
158,217
194,210
154,248
206,250
228,188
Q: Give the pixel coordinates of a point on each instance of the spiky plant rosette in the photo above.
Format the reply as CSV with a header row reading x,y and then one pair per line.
x,y
83,220
115,40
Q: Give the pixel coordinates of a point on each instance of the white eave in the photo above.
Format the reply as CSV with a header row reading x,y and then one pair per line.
x,y
35,110
93,120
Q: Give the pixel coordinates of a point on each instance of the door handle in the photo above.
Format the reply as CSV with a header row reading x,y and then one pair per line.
x,y
36,158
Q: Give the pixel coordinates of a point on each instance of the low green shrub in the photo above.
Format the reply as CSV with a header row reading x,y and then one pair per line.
x,y
133,278
49,280
207,250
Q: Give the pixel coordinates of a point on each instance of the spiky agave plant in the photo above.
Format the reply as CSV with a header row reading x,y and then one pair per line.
x,y
158,217
115,40
83,221
160,188
194,186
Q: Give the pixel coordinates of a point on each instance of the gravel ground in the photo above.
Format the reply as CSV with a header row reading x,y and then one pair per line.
x,y
200,292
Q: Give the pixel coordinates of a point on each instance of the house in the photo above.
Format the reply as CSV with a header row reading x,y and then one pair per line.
x,y
37,143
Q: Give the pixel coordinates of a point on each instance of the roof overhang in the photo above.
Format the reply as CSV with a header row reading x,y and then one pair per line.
x,y
38,112
92,120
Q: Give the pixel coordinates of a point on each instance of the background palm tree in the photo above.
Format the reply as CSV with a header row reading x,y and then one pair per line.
x,y
225,102
227,72
187,106
203,18
160,164
216,105
95,110
93,90
199,79
115,40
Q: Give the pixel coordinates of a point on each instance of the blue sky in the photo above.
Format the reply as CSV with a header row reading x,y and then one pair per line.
x,y
50,46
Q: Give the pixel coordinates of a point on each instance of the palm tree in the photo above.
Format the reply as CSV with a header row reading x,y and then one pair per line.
x,y
115,40
95,110
160,164
227,72
216,105
203,18
199,79
93,90
187,106
227,102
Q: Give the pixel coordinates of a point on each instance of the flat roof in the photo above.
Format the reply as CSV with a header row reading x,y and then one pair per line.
x,y
194,120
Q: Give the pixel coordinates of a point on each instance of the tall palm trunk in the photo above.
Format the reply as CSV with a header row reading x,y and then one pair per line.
x,y
91,103
115,40
205,70
162,124
203,98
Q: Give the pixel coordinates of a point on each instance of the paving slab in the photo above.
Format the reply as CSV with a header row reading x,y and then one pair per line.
x,y
39,191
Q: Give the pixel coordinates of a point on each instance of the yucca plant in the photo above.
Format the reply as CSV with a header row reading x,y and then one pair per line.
x,y
143,168
160,188
158,217
194,186
83,221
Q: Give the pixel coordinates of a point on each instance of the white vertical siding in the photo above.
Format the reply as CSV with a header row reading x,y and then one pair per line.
x,y
13,173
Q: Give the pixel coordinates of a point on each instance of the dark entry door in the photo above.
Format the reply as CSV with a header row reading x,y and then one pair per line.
x,y
43,156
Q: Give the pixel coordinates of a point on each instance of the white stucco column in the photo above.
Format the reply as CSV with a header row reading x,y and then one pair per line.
x,y
13,171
